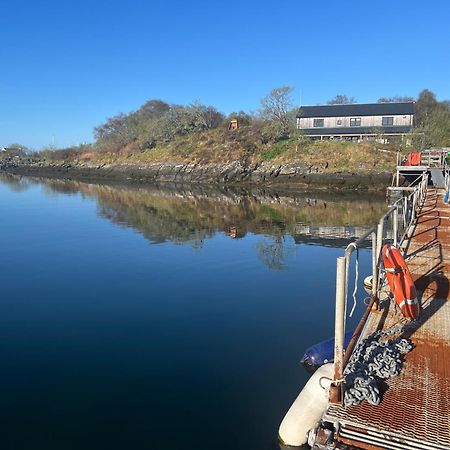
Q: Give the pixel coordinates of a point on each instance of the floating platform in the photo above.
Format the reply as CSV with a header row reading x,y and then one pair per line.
x,y
414,412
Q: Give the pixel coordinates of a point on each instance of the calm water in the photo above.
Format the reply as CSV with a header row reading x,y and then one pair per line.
x,y
161,319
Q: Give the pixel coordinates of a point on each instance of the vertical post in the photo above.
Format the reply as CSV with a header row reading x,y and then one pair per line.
x,y
374,264
339,330
405,211
380,232
395,225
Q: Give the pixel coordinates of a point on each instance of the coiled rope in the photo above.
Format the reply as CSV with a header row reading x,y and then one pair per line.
x,y
374,359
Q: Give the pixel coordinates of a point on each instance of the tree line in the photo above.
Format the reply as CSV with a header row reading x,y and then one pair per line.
x,y
157,122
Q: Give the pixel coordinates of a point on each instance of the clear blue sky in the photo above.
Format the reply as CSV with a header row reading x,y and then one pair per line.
x,y
67,66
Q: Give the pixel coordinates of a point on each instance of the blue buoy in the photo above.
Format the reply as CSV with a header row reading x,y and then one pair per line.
x,y
446,197
319,354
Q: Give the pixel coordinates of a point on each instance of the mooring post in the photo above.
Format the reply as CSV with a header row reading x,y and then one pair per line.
x,y
339,331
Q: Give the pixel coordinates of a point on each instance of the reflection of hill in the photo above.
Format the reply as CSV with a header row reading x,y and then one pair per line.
x,y
16,183
192,214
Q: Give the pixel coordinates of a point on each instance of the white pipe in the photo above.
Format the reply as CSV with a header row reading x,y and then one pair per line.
x,y
380,231
339,325
395,225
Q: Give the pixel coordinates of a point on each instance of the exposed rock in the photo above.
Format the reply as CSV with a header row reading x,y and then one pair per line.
x,y
294,174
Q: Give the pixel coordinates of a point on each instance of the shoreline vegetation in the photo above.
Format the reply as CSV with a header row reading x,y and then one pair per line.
x,y
161,142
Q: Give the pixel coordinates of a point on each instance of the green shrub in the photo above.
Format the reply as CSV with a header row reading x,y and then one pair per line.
x,y
277,149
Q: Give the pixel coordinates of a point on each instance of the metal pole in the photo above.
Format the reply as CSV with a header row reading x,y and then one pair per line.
x,y
359,328
395,226
405,209
339,327
374,264
380,231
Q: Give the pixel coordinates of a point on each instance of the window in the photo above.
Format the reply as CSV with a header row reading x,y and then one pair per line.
x,y
387,121
355,122
318,123
339,122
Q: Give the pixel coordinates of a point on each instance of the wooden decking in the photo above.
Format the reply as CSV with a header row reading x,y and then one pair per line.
x,y
414,412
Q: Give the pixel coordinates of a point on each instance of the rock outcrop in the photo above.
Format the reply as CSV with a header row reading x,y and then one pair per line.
x,y
295,174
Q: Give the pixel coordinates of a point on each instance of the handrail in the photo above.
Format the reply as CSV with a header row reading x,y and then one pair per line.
x,y
403,213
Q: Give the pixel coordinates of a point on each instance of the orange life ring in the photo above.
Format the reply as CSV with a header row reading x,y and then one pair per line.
x,y
400,281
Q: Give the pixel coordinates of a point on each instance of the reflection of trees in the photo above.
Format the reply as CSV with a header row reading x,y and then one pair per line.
x,y
160,216
193,214
273,252
16,183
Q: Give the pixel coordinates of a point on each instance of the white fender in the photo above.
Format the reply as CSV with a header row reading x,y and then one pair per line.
x,y
307,408
368,282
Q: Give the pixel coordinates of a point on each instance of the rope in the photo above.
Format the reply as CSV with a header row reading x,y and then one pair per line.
x,y
355,290
373,360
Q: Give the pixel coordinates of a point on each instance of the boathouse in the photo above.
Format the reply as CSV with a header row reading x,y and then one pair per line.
x,y
357,122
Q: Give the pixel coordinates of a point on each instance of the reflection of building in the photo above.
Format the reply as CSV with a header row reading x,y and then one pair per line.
x,y
330,235
358,122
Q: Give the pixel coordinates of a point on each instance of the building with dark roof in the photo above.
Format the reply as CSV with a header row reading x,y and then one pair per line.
x,y
368,121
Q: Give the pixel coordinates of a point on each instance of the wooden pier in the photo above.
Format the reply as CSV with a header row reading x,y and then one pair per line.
x,y
414,412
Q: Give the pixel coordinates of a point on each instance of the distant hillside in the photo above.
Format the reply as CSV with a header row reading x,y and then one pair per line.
x,y
161,141
196,132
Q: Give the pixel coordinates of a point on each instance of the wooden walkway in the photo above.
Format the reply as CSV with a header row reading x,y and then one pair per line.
x,y
414,412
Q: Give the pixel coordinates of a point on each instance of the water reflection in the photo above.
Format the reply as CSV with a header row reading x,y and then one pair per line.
x,y
108,342
193,214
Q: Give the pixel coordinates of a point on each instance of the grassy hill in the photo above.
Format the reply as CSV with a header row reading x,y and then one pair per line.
x,y
247,146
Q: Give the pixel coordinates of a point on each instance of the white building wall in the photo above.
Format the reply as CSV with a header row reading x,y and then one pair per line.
x,y
366,121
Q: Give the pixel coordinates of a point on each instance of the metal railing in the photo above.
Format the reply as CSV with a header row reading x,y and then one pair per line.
x,y
433,158
401,215
446,177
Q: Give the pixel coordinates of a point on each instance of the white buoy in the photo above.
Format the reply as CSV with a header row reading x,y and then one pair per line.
x,y
307,408
368,282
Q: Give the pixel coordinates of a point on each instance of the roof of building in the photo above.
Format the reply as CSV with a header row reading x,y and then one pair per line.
x,y
340,131
357,109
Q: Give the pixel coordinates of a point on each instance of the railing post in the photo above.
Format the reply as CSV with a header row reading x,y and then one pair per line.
x,y
374,264
405,212
380,232
395,225
339,331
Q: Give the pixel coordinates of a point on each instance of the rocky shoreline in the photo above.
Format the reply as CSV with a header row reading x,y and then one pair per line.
x,y
291,175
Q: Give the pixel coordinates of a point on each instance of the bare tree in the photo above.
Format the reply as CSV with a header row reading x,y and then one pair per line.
x,y
272,253
276,107
206,117
341,99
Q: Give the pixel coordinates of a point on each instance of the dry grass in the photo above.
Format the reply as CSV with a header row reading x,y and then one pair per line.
x,y
332,156
247,145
